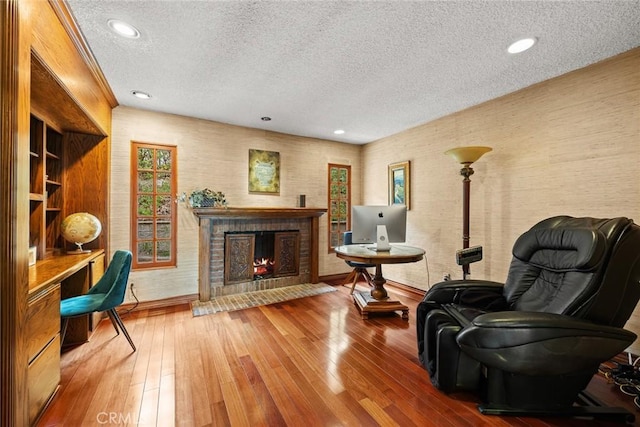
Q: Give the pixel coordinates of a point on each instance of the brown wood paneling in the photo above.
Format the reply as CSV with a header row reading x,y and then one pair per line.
x,y
77,38
23,25
53,45
86,182
65,113
15,40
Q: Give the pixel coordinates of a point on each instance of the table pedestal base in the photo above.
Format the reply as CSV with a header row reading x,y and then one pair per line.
x,y
367,304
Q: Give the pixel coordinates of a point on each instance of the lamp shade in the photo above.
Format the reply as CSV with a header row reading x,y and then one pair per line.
x,y
467,155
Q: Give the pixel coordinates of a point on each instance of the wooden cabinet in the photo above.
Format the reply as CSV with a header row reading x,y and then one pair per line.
x,y
47,71
53,278
43,329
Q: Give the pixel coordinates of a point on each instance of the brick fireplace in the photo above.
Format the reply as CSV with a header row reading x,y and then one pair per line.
x,y
226,239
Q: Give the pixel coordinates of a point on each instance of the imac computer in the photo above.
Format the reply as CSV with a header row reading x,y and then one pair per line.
x,y
378,226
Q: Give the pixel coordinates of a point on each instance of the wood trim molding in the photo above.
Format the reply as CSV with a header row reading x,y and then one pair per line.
x,y
68,114
258,212
14,125
156,304
71,27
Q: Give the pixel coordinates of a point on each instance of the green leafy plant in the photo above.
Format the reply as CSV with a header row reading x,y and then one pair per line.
x,y
207,198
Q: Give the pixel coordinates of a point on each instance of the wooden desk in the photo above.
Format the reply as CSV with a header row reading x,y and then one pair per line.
x,y
56,268
378,299
50,279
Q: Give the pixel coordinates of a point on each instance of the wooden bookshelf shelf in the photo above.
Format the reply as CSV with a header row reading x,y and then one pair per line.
x,y
47,171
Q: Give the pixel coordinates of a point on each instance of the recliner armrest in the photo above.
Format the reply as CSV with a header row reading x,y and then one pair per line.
x,y
449,291
533,343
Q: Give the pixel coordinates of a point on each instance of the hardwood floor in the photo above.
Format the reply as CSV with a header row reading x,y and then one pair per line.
x,y
311,361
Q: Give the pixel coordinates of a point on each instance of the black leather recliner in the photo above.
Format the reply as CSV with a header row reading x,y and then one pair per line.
x,y
532,344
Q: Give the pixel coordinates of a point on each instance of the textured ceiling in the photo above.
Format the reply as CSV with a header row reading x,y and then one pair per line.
x,y
371,68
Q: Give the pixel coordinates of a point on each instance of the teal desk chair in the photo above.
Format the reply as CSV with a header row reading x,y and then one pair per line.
x,y
106,295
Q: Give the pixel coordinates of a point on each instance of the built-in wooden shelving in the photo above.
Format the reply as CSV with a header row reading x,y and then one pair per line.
x,y
46,192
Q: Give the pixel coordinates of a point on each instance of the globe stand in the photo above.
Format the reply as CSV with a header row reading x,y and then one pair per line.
x,y
79,250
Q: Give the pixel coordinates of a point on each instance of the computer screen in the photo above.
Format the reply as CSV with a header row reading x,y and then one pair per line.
x,y
366,219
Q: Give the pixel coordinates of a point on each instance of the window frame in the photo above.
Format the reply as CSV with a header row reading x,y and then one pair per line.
x,y
172,217
347,223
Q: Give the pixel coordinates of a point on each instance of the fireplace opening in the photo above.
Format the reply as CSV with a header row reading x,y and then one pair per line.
x,y
261,255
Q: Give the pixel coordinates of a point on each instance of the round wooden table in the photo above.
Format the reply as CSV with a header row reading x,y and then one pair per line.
x,y
378,299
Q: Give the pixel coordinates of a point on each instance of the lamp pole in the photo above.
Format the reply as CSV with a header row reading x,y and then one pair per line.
x,y
466,156
466,172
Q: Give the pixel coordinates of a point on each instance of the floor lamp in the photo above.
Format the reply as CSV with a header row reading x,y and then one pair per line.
x,y
466,156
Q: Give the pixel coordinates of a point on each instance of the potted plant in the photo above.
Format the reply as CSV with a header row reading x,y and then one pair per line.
x,y
207,198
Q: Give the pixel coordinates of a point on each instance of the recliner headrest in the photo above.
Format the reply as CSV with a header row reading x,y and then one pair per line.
x,y
561,248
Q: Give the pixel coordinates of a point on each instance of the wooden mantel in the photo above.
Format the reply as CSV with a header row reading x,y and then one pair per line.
x,y
206,217
256,212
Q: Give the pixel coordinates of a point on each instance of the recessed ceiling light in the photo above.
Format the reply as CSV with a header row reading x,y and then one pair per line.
x,y
123,28
338,131
521,45
265,119
141,95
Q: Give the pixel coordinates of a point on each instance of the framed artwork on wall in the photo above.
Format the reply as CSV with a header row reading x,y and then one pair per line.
x,y
400,184
264,171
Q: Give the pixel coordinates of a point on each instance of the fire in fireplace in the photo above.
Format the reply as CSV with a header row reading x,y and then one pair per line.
x,y
262,268
263,255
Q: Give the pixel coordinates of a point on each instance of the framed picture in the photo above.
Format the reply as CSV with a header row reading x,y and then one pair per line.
x,y
400,184
264,171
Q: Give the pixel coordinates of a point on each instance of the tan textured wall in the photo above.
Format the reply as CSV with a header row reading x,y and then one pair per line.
x,y
215,155
570,145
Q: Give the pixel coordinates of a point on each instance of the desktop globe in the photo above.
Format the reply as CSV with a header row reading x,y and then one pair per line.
x,y
80,228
